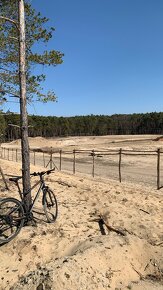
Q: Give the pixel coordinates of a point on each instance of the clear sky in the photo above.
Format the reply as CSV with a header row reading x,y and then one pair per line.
x,y
113,61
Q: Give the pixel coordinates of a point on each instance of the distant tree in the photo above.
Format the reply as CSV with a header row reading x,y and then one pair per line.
x,y
85,125
2,127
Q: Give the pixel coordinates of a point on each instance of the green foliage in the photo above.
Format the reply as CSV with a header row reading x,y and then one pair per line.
x,y
2,128
37,31
84,125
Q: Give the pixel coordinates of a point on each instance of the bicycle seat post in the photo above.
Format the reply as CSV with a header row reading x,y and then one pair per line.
x,y
20,192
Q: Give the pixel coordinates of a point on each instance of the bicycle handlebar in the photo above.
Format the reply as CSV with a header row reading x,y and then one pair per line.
x,y
42,172
15,179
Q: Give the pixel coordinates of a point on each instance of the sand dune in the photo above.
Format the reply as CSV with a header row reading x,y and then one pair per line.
x,y
75,253
99,142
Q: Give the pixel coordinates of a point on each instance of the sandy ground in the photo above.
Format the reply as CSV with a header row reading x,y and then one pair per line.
x,y
92,142
76,253
141,169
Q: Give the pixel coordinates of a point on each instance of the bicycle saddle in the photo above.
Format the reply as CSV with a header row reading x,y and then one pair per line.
x,y
15,179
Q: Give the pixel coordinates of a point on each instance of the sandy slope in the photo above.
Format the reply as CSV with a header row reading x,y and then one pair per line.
x,y
92,142
72,254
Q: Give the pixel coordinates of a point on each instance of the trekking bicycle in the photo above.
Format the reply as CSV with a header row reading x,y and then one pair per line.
x,y
13,213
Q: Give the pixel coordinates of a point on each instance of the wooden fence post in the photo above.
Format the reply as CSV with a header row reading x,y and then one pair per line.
x,y
16,155
44,159
60,160
93,165
4,180
8,154
158,168
120,161
74,162
34,158
12,154
51,159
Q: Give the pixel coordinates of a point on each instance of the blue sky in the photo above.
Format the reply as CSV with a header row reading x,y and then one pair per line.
x,y
113,61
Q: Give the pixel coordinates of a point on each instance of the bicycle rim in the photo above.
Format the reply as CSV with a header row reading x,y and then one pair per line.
x,y
50,205
11,219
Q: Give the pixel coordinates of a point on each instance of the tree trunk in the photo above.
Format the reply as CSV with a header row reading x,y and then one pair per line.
x,y
23,109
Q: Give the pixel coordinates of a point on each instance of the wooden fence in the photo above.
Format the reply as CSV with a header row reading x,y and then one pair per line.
x,y
46,158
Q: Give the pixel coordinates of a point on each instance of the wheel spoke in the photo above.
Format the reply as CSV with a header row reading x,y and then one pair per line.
x,y
50,205
11,219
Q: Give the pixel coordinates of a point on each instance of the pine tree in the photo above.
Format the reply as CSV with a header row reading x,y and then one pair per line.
x,y
37,32
19,31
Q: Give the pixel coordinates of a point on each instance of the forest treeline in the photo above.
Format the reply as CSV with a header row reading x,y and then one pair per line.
x,y
49,126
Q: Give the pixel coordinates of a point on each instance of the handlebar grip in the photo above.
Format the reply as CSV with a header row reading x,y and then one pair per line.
x,y
50,170
34,174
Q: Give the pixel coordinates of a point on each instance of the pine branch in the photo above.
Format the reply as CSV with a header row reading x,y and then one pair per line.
x,y
8,92
10,20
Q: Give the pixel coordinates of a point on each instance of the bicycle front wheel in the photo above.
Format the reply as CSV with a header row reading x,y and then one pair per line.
x,y
11,219
50,205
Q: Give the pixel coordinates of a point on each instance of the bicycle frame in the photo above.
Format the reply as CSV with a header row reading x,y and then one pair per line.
x,y
14,214
42,187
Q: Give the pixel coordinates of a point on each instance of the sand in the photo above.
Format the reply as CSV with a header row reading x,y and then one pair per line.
x,y
74,253
141,169
95,142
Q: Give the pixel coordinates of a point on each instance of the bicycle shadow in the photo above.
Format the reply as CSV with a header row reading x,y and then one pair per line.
x,y
39,215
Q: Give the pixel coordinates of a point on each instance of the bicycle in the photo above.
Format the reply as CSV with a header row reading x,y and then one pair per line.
x,y
13,213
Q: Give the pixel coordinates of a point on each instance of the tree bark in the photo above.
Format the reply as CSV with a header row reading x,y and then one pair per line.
x,y
23,107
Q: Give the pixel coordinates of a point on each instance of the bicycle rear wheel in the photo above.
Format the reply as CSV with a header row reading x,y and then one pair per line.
x,y
50,205
11,219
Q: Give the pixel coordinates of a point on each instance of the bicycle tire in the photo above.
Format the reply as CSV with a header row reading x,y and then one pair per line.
x,y
50,205
11,219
